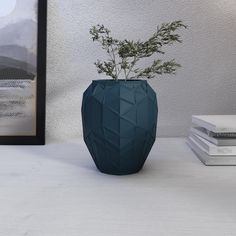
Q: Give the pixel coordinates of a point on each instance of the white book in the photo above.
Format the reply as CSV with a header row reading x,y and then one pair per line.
x,y
202,132
210,160
213,150
216,123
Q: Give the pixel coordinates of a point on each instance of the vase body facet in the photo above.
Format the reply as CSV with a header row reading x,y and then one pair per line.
x,y
119,124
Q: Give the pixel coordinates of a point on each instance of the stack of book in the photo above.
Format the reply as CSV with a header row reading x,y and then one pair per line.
x,y
213,139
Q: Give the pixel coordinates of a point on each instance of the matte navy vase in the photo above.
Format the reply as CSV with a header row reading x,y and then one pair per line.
x,y
119,124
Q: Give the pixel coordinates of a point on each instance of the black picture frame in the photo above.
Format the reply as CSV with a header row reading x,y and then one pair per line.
x,y
39,138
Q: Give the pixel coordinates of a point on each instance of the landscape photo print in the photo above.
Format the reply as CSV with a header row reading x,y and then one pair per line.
x,y
22,76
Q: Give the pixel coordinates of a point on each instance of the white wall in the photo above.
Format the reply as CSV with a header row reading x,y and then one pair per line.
x,y
206,84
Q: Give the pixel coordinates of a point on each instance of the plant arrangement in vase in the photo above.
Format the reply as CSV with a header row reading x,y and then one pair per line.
x,y
125,54
120,115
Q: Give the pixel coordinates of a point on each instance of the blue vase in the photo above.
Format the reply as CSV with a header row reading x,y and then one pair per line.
x,y
119,124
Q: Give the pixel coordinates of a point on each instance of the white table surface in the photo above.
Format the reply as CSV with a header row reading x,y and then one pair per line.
x,y
56,191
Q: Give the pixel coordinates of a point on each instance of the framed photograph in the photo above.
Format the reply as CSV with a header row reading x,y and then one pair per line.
x,y
22,71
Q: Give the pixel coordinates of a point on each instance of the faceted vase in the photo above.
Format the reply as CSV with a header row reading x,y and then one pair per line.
x,y
119,124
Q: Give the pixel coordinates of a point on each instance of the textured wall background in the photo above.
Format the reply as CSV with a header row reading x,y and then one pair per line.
x,y
205,85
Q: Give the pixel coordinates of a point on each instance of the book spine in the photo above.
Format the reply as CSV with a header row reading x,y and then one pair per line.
x,y
216,131
211,160
224,130
222,135
220,162
222,151
213,150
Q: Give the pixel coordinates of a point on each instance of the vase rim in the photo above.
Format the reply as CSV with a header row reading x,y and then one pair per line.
x,y
123,80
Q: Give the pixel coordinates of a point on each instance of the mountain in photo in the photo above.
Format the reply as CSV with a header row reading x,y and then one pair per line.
x,y
15,74
18,43
11,69
22,33
18,53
